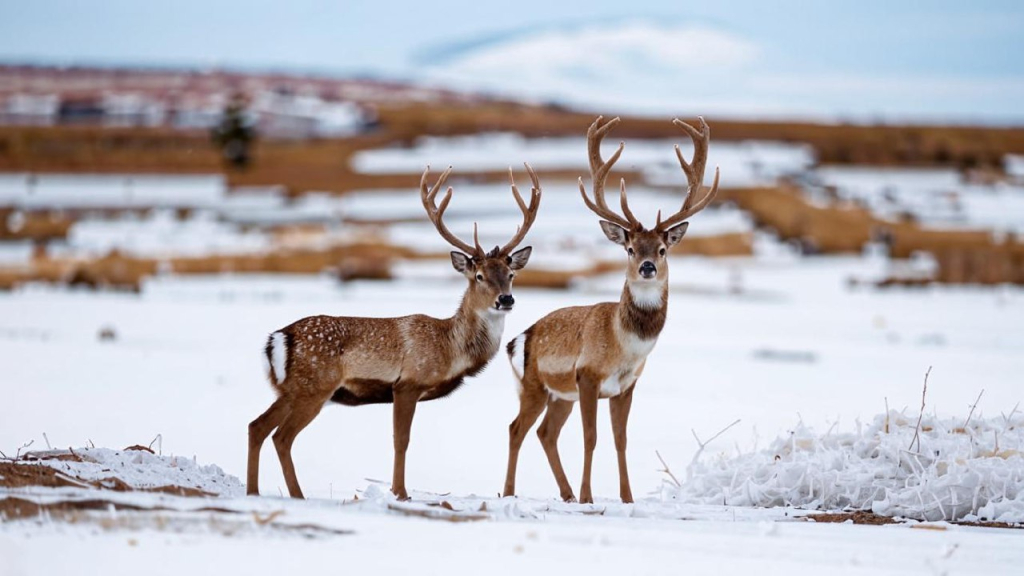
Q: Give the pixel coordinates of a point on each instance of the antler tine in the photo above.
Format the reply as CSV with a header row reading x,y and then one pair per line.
x,y
694,171
529,212
623,203
599,170
436,212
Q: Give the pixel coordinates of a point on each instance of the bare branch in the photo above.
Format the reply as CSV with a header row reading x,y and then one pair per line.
x,y
665,470
973,406
917,430
700,449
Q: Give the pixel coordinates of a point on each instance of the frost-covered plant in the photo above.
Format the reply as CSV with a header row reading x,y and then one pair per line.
x,y
955,473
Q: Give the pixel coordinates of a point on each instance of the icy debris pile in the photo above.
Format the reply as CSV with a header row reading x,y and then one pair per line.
x,y
142,469
957,473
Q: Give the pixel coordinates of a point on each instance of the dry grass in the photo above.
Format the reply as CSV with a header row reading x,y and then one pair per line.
x,y
323,164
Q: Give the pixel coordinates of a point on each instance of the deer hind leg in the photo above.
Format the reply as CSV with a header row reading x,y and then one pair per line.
x,y
620,406
531,404
404,409
588,388
550,428
302,413
259,429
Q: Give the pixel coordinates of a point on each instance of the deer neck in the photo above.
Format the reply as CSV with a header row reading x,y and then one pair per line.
x,y
477,329
643,307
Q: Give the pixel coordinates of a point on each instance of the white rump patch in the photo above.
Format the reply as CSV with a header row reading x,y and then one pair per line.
x,y
647,294
278,355
518,358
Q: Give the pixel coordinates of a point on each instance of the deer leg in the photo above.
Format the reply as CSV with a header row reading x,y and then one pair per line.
x,y
259,429
531,404
404,410
550,428
619,406
301,415
588,388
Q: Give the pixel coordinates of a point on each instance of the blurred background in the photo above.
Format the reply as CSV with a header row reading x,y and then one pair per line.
x,y
181,179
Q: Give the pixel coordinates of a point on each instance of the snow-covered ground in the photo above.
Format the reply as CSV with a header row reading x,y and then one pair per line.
x,y
937,197
742,163
769,341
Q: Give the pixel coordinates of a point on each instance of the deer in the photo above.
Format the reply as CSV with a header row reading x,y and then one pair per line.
x,y
585,353
357,361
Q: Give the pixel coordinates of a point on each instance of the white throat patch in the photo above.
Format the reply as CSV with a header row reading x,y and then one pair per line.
x,y
647,294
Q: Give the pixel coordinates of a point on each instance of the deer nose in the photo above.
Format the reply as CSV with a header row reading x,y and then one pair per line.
x,y
506,300
648,269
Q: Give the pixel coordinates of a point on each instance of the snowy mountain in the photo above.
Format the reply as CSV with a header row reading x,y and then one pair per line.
x,y
678,68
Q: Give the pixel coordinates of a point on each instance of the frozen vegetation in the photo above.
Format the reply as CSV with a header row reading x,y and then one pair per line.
x,y
957,470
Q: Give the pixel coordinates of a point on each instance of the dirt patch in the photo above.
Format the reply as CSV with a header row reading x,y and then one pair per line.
x,y
872,519
857,517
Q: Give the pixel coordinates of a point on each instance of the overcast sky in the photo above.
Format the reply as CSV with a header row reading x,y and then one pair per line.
x,y
937,41
936,37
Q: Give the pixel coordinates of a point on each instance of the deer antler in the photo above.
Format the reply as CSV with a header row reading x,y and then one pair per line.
x,y
694,171
529,212
599,173
436,213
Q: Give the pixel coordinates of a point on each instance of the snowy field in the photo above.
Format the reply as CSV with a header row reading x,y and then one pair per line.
x,y
937,197
776,342
742,163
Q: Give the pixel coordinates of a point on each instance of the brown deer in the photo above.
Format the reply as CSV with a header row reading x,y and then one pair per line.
x,y
357,361
584,353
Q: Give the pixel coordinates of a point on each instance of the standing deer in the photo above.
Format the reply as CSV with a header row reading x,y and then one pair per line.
x,y
584,353
357,361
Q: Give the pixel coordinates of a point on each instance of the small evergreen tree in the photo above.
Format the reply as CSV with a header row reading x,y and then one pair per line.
x,y
234,134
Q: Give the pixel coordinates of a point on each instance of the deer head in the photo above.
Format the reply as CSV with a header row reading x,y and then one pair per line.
x,y
646,249
490,274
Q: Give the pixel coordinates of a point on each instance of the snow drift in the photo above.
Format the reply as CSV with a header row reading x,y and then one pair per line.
x,y
957,473
142,469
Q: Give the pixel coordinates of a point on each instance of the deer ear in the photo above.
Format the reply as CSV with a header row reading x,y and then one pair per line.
x,y
614,232
518,259
461,262
674,234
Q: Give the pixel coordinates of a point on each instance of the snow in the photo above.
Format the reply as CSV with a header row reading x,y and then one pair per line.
x,y
161,234
85,191
956,473
1014,166
141,469
17,253
935,196
742,163
187,363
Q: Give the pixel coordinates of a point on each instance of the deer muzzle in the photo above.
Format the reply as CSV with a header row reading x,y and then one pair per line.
x,y
648,270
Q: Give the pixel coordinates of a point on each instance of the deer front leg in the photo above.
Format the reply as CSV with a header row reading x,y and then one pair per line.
x,y
588,388
619,406
404,410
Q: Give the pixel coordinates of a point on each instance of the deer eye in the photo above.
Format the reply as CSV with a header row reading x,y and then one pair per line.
x,y
662,251
629,251
480,277
511,276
